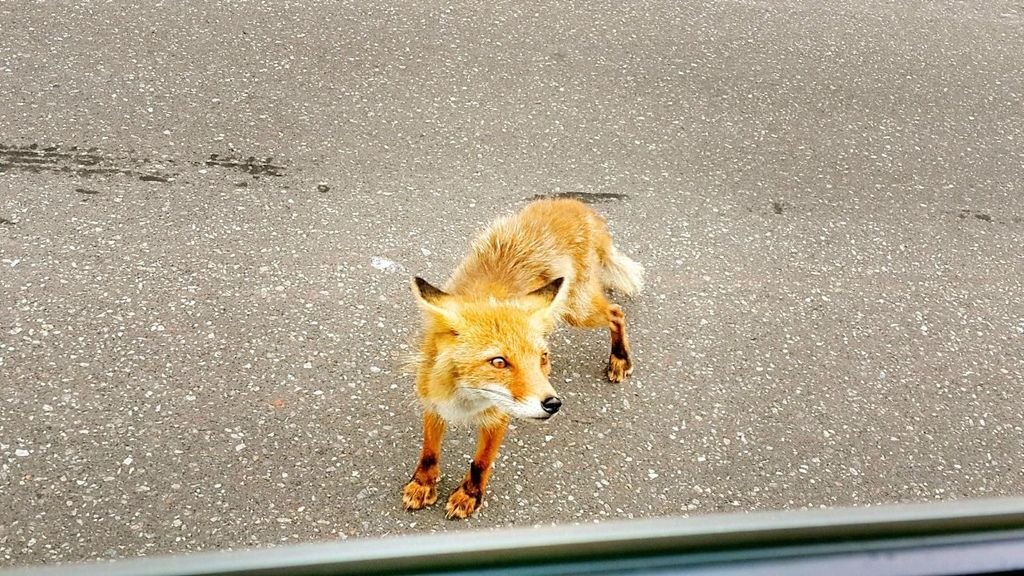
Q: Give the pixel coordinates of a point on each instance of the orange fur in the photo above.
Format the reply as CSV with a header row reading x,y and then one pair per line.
x,y
484,353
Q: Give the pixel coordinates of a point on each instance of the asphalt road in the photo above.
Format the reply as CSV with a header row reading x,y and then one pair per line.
x,y
209,212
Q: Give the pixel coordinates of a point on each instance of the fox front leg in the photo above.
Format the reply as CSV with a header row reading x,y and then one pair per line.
x,y
467,499
421,491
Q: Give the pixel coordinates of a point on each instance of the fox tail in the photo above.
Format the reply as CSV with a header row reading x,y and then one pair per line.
x,y
621,272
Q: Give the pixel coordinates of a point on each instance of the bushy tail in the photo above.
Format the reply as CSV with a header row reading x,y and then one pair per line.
x,y
622,273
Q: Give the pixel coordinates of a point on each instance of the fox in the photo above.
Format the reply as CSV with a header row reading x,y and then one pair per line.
x,y
484,356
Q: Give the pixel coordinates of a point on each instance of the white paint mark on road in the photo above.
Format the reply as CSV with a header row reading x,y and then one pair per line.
x,y
384,265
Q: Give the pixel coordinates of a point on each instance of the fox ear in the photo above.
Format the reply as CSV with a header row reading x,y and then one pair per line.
x,y
426,292
432,299
551,293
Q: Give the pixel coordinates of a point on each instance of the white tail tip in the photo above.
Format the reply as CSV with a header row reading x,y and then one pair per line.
x,y
622,273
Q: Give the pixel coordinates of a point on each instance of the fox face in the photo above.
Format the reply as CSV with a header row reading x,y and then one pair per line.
x,y
494,351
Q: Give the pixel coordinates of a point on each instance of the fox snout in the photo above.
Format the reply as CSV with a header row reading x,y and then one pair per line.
x,y
551,405
541,403
538,409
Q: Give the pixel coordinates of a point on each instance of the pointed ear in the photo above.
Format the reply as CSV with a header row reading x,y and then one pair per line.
x,y
425,291
551,293
432,300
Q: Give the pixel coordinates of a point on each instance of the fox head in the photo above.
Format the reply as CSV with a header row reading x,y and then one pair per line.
x,y
495,350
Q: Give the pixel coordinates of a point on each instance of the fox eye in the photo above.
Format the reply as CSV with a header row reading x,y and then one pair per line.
x,y
498,362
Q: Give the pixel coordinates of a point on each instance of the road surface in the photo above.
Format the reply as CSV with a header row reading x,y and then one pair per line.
x,y
209,213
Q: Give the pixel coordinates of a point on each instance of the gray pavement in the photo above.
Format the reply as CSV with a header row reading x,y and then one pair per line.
x,y
209,213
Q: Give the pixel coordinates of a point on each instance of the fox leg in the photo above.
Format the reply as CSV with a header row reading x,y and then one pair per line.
x,y
464,501
620,361
601,312
421,491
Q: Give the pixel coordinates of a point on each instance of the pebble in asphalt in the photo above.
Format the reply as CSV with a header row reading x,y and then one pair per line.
x,y
209,213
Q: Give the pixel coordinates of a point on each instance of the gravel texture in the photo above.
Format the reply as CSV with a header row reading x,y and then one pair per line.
x,y
209,212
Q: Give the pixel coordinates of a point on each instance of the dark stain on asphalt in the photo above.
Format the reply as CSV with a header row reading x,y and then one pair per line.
x,y
35,158
585,197
778,206
86,191
251,165
965,213
6,222
86,163
74,161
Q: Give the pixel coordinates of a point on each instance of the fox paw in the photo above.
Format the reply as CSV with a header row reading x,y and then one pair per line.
x,y
619,368
461,504
417,496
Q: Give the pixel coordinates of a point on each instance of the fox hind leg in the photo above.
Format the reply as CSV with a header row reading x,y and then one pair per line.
x,y
601,312
620,361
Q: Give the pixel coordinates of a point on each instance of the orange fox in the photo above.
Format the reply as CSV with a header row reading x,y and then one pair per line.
x,y
484,353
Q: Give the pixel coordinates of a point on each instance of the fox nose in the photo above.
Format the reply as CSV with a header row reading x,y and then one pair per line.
x,y
551,404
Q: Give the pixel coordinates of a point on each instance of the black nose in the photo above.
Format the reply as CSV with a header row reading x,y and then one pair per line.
x,y
551,404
